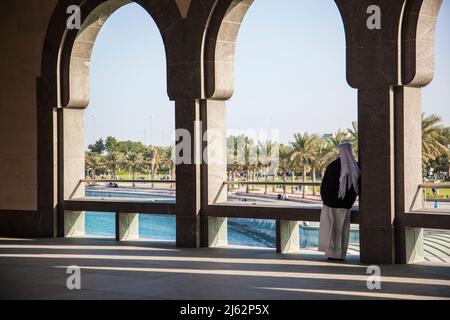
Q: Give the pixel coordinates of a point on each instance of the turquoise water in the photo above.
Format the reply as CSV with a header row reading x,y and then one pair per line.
x,y
245,232
162,227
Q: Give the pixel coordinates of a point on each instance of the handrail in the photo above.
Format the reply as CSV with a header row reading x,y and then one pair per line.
x,y
92,181
434,185
126,181
271,183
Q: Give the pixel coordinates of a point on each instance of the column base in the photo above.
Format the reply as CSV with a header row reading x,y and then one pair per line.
x,y
127,226
217,232
74,224
288,236
414,245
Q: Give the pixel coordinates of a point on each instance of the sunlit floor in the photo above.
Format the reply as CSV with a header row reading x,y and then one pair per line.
x,y
36,269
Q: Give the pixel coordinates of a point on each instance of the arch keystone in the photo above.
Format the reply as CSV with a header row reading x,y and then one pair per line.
x,y
183,6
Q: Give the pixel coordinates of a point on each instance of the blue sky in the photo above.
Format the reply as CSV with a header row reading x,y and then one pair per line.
x,y
290,74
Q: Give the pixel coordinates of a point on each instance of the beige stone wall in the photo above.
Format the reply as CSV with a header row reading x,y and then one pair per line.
x,y
23,25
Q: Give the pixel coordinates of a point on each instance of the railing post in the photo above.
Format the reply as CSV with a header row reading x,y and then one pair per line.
x,y
74,224
127,226
287,236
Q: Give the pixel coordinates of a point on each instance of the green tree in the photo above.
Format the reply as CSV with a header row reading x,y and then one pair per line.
x,y
320,159
304,148
134,162
153,156
244,155
112,161
354,137
111,144
268,156
434,140
98,147
94,162
337,138
167,161
286,165
130,146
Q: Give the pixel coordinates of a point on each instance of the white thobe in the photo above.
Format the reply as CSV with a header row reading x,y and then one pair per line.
x,y
334,232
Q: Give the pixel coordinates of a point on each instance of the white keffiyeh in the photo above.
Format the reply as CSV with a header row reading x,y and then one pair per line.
x,y
350,171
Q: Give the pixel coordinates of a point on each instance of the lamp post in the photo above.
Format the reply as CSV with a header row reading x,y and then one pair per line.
x,y
151,127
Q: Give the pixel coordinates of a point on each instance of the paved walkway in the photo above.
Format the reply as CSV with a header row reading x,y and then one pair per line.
x,y
36,269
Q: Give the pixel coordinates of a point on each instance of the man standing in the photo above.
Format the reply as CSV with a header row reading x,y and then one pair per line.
x,y
340,187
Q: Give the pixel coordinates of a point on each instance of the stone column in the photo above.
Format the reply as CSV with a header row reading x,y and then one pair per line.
x,y
376,149
288,236
214,171
71,167
74,224
187,121
127,226
408,126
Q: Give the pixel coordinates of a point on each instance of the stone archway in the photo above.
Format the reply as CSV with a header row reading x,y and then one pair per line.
x,y
219,65
417,71
183,25
63,96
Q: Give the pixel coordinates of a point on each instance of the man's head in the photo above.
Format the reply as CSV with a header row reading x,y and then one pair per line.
x,y
345,148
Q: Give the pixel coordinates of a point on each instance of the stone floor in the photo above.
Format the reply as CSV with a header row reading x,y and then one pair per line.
x,y
36,269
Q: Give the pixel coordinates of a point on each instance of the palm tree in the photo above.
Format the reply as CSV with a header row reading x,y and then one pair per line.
x,y
155,158
134,161
247,156
285,163
112,161
268,158
94,162
167,161
321,159
232,146
304,147
434,140
354,137
337,138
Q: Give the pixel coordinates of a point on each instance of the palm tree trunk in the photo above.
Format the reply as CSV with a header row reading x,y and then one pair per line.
x,y
248,186
304,180
266,178
314,180
153,172
254,178
274,187
172,174
293,180
284,180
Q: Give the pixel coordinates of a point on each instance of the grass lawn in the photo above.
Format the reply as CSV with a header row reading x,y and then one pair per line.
x,y
138,177
443,194
279,188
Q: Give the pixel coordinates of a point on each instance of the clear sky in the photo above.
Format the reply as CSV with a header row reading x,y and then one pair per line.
x,y
290,74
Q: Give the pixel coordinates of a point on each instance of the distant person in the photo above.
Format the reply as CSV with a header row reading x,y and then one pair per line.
x,y
340,187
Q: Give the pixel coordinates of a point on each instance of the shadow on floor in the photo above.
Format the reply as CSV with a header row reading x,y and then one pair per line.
x,y
36,269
